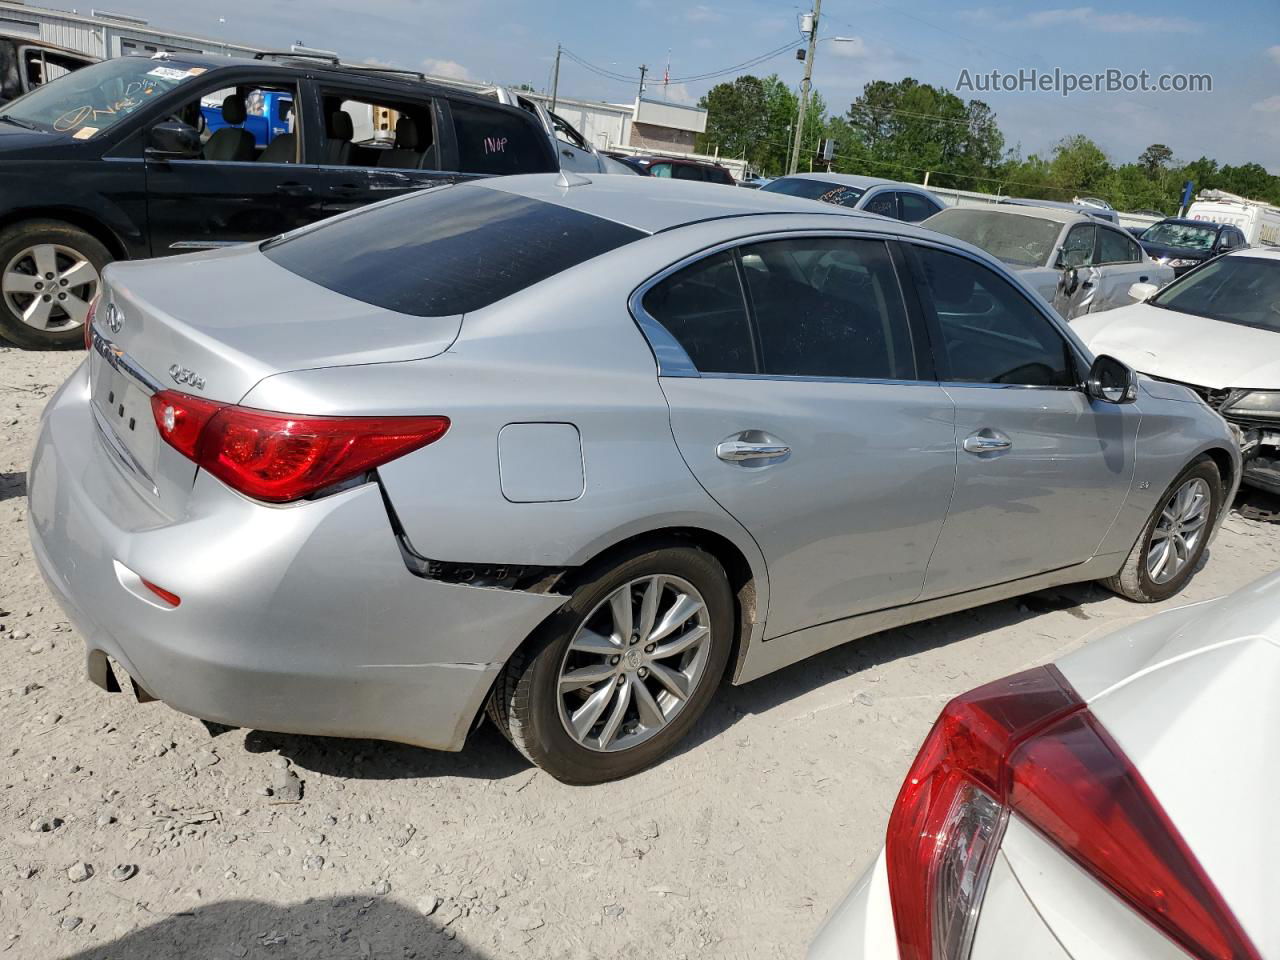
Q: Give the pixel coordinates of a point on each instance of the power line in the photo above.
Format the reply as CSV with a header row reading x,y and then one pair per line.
x,y
692,78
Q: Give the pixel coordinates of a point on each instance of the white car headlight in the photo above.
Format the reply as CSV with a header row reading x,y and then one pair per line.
x,y
1262,404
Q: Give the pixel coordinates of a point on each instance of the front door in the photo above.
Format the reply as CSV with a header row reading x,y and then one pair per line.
x,y
240,189
1120,266
1042,469
1078,283
802,409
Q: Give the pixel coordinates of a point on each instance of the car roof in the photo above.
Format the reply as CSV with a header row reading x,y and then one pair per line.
x,y
321,68
664,159
1056,214
1258,253
1188,222
849,180
654,205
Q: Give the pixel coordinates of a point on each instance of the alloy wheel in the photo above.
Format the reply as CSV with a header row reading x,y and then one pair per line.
x,y
1178,531
49,286
634,663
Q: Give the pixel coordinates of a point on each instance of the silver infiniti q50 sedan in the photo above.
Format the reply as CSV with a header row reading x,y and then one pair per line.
x,y
571,452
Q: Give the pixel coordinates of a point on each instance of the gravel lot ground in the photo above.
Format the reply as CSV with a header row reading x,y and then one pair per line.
x,y
131,831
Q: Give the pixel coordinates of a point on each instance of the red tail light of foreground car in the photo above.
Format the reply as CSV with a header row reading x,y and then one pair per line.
x,y
281,457
1027,745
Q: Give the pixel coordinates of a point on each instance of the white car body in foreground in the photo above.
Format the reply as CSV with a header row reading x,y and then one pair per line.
x,y
1189,698
1233,364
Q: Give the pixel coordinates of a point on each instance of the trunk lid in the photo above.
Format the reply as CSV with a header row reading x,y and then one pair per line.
x,y
213,325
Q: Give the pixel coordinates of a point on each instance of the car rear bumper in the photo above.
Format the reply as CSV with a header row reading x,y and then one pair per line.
x,y
296,619
860,925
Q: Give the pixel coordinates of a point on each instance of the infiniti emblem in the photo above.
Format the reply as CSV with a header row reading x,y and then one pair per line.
x,y
183,375
115,318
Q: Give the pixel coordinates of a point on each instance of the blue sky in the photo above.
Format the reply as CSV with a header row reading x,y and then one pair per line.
x,y
513,41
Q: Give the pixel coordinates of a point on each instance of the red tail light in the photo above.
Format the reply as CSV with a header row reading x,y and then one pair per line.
x,y
1027,745
88,323
280,457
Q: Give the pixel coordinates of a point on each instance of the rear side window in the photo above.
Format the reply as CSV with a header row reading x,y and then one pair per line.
x,y
446,251
702,307
1115,247
683,171
828,307
496,141
884,203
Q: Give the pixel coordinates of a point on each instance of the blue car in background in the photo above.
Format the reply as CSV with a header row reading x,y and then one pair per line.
x,y
265,124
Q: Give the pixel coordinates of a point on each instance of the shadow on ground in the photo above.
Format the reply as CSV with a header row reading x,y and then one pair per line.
x,y
250,929
13,485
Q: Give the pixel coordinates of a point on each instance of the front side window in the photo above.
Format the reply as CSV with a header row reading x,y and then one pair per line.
x,y
884,203
446,251
701,306
1077,250
499,141
88,101
828,307
660,170
245,123
991,333
1115,247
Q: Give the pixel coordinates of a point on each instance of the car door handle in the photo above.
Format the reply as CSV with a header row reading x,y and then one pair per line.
x,y
740,450
1086,285
344,189
294,189
1142,279
986,441
566,153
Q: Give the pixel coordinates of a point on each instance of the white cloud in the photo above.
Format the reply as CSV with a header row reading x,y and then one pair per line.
x,y
1094,19
675,92
1274,53
449,69
1269,105
701,13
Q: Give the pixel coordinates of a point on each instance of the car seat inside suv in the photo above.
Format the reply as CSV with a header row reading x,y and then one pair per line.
x,y
231,143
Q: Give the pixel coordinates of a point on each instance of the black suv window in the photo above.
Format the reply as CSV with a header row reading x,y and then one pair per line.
x,y
483,245
828,307
364,130
702,307
991,333
499,141
686,171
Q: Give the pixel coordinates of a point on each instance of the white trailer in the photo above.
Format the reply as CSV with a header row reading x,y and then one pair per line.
x,y
1259,221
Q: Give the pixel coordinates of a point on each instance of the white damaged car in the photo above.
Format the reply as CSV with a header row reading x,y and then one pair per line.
x,y
1216,329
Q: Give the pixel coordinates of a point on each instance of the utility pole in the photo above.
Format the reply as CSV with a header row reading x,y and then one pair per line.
x,y
804,87
555,80
643,70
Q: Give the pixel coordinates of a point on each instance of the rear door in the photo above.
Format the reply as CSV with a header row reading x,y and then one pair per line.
x,y
1042,469
802,400
1120,265
378,144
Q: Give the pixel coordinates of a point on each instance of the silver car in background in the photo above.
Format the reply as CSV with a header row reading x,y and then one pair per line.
x,y
573,451
889,198
1075,261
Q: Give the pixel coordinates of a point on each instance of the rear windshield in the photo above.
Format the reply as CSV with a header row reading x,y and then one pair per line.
x,y
826,191
447,250
1020,240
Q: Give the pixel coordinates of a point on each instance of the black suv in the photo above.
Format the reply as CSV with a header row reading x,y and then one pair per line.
x,y
1183,243
144,157
677,169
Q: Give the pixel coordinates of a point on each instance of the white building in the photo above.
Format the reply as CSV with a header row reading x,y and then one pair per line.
x,y
103,34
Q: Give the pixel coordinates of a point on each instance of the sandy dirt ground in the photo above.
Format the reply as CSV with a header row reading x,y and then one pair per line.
x,y
131,832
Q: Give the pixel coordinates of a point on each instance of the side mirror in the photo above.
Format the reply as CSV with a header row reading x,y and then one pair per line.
x,y
173,140
1112,381
1143,291
1069,281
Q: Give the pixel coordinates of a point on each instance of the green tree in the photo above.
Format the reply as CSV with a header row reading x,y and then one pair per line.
x,y
1154,159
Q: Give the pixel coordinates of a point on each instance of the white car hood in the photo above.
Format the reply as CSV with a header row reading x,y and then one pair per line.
x,y
1186,348
1190,696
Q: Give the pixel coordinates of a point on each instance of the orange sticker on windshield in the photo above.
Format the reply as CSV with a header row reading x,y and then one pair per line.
x,y
84,133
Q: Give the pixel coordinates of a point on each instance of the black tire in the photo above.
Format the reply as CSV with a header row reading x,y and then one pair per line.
x,y
525,701
29,233
1133,581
